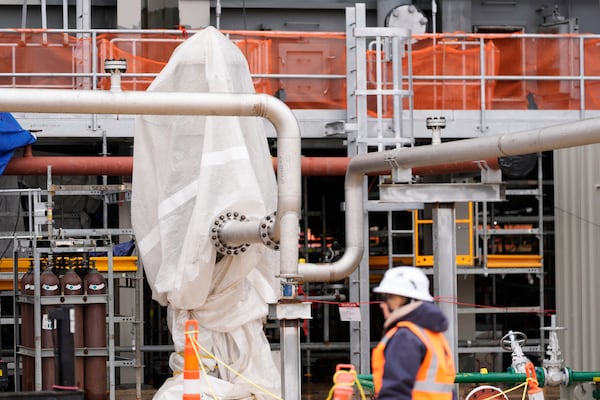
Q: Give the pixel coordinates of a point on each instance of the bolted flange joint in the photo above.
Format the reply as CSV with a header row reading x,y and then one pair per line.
x,y
217,226
265,228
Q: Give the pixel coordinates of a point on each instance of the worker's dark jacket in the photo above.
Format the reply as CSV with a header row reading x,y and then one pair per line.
x,y
413,360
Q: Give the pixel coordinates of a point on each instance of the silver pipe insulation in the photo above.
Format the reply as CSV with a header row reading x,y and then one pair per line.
x,y
217,104
286,228
239,232
532,141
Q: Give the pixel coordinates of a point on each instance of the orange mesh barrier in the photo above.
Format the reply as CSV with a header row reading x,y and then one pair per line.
x,y
292,54
510,94
556,57
592,68
443,59
282,64
49,55
145,54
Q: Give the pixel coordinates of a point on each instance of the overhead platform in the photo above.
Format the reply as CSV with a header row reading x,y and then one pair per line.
x,y
481,84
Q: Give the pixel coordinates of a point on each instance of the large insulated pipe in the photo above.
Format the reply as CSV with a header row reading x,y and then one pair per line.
x,y
29,164
221,104
537,140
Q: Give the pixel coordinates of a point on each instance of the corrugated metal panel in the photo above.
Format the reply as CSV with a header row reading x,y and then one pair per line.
x,y
577,243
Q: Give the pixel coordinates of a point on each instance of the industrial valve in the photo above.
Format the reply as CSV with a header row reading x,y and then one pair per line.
x,y
556,373
115,68
513,341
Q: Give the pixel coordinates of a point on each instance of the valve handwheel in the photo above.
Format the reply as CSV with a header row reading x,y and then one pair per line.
x,y
506,342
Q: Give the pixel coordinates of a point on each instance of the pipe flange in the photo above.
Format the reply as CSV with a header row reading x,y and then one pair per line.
x,y
218,224
266,225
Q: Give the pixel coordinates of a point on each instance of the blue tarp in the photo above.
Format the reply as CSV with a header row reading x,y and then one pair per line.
x,y
12,136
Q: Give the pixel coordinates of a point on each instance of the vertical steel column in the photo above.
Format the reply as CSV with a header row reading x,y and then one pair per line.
x,y
111,321
357,113
444,267
290,358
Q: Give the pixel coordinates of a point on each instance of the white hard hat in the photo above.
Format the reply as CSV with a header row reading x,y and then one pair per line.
x,y
409,282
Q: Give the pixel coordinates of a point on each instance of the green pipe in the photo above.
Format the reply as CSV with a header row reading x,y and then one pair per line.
x,y
477,377
510,377
582,376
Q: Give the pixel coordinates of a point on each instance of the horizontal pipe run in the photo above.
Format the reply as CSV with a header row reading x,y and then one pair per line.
x,y
512,377
70,166
123,166
494,377
195,104
237,233
533,141
584,376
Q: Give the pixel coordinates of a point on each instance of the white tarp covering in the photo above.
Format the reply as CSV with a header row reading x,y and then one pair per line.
x,y
187,171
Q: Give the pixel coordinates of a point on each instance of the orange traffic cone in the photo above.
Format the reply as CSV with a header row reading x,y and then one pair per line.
x,y
191,365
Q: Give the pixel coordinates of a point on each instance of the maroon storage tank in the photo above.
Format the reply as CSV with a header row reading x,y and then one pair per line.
x,y
49,286
72,284
96,387
27,332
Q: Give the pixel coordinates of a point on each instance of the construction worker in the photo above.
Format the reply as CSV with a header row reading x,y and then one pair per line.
x,y
413,359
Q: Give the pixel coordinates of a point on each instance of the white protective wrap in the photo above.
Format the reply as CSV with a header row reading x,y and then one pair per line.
x,y
187,171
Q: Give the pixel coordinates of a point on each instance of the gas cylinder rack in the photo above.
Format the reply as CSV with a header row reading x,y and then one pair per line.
x,y
95,349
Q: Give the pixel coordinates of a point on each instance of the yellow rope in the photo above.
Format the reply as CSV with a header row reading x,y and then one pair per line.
x,y
356,381
359,386
195,341
502,392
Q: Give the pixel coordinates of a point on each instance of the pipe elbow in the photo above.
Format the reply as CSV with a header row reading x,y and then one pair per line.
x,y
335,271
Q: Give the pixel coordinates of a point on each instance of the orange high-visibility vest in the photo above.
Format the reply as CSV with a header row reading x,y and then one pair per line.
x,y
435,377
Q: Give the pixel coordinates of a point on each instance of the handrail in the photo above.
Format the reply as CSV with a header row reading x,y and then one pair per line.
x,y
554,83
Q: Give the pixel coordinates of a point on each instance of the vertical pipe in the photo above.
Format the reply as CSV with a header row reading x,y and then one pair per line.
x,y
44,21
581,77
111,325
290,358
139,326
444,267
65,14
24,18
482,83
540,198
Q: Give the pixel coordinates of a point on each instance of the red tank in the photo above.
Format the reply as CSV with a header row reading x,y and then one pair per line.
x,y
27,332
49,286
71,284
96,387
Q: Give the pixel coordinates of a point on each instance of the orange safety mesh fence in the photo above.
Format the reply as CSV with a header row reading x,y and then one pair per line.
x,y
296,54
307,70
145,54
556,57
441,59
46,58
591,67
510,94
